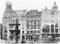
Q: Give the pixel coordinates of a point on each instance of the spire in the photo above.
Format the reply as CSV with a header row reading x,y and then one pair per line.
x,y
55,6
8,5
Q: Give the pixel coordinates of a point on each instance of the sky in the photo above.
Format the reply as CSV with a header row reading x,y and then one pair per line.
x,y
27,4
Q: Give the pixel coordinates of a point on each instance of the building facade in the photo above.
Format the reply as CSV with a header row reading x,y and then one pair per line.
x,y
32,23
51,20
33,19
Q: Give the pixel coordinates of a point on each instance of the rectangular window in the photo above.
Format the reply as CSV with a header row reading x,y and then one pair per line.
x,y
5,35
27,25
23,32
5,31
27,37
31,31
27,32
34,31
31,27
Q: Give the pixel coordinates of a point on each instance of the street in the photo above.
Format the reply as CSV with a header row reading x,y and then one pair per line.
x,y
5,42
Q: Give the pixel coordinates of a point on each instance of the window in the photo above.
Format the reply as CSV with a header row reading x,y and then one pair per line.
x,y
27,25
27,32
5,27
56,30
52,28
5,35
38,31
5,31
45,30
56,25
31,31
34,31
23,32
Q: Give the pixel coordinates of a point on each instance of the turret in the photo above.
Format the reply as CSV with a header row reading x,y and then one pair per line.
x,y
8,6
54,8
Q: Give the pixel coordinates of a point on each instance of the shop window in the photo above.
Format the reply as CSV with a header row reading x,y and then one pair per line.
x,y
31,27
45,30
34,24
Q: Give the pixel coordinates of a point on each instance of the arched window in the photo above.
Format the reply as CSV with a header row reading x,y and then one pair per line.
x,y
52,25
45,28
52,28
27,25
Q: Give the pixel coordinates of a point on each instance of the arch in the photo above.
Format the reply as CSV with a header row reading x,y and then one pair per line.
x,y
52,28
45,25
45,28
52,25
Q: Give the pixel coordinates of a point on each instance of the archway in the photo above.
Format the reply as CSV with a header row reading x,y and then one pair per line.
x,y
52,28
45,28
